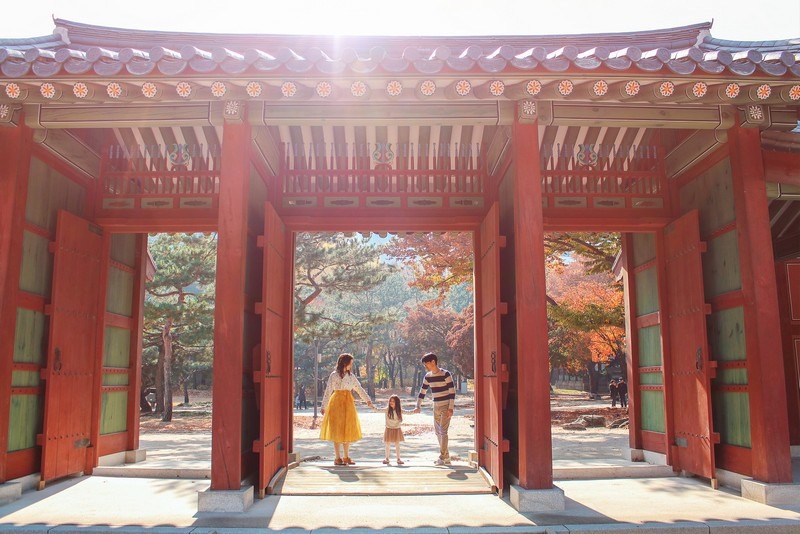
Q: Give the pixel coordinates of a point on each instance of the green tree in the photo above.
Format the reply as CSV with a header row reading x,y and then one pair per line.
x,y
179,311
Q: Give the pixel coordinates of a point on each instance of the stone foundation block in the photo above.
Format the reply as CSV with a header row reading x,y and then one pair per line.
x,y
134,457
537,500
10,492
772,494
225,500
632,455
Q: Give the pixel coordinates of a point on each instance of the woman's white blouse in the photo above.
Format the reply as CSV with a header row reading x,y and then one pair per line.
x,y
346,383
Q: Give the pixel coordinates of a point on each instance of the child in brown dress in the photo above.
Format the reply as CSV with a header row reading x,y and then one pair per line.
x,y
393,432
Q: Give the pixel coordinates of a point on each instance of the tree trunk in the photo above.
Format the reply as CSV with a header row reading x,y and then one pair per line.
x,y
186,392
166,338
160,381
370,372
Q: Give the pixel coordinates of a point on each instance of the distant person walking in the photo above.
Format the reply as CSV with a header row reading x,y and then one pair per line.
x,y
440,383
302,401
622,391
393,432
340,423
613,389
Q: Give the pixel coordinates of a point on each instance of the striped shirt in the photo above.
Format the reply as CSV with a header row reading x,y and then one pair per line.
x,y
441,388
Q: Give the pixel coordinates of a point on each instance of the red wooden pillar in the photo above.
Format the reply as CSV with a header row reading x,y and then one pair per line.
x,y
15,159
632,346
226,426
769,427
535,443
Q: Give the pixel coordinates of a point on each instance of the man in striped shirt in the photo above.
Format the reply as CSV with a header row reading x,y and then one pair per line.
x,y
440,383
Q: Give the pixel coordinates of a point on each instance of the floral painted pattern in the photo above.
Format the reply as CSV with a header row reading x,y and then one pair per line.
x,y
324,89
114,90
700,89
529,108
427,88
755,112
358,89
184,89
794,93
565,87
497,88
13,90
666,88
80,90
5,111
149,89
600,87
732,90
632,88
218,89
463,87
394,88
48,90
253,89
533,87
763,91
288,89
232,108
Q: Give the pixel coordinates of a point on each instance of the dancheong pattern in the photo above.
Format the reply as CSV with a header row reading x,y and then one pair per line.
x,y
218,89
533,87
427,88
253,89
394,88
358,88
632,88
232,108
666,88
497,88
529,108
565,87
794,92
324,89
184,89
114,90
48,90
463,87
763,91
149,89
80,90
288,89
5,111
12,90
732,90
756,112
700,89
600,87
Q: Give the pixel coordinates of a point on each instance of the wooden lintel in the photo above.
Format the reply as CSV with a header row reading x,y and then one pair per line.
x,y
403,114
124,116
636,116
692,150
70,149
781,167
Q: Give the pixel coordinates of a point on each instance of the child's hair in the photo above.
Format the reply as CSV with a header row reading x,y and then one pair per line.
x,y
396,413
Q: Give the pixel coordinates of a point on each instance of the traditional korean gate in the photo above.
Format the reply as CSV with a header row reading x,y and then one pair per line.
x,y
69,374
489,387
271,369
691,367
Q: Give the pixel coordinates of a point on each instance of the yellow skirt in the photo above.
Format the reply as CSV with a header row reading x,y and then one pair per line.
x,y
340,423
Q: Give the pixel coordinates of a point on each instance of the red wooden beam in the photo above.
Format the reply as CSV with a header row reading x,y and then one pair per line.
x,y
535,442
15,157
93,455
769,425
226,442
781,167
632,345
666,360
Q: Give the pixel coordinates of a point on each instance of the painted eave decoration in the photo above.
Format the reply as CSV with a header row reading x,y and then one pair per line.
x,y
85,62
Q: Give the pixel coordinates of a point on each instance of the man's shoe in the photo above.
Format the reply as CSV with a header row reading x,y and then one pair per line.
x,y
438,461
446,461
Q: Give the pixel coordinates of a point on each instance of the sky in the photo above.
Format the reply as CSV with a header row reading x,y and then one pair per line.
x,y
733,19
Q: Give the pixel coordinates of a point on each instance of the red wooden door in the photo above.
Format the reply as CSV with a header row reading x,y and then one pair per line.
x,y
272,368
489,387
691,367
69,374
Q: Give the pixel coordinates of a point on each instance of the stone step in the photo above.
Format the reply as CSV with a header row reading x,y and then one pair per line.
x,y
608,469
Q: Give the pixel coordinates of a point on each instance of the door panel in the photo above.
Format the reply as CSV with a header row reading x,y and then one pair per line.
x,y
691,367
69,374
489,356
271,368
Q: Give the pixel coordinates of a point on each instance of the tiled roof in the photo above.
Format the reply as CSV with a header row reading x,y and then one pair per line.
x,y
79,49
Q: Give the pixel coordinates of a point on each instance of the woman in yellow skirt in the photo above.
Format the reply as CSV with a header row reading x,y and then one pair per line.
x,y
340,422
